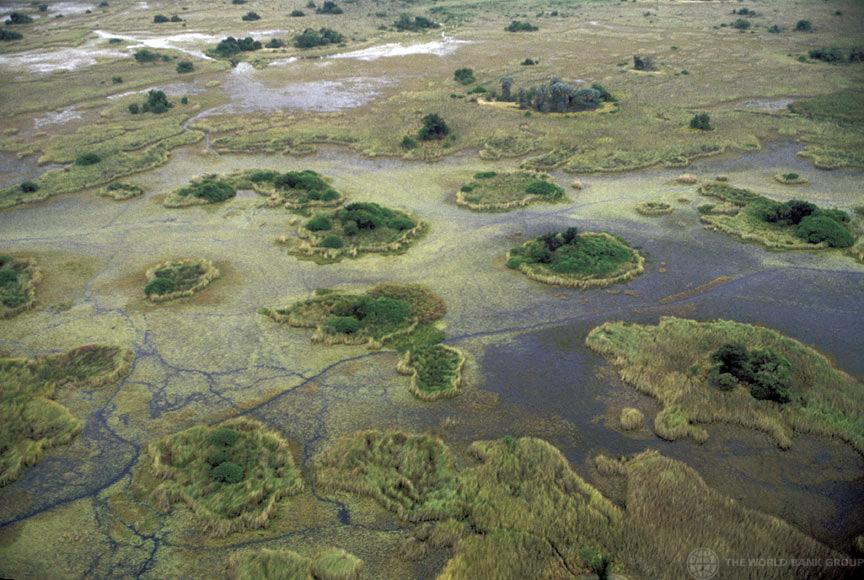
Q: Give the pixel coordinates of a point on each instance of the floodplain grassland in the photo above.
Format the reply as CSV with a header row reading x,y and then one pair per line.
x,y
31,421
672,362
18,280
329,564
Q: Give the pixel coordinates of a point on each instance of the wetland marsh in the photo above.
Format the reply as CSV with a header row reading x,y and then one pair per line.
x,y
450,417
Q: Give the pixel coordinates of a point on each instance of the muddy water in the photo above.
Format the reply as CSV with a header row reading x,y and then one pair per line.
x,y
202,357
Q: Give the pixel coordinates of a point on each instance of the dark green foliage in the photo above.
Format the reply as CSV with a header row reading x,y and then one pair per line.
x,y
250,17
376,314
329,7
418,23
767,373
791,212
218,457
544,188
370,216
157,102
238,2
598,562
856,54
117,80
87,159
529,62
408,143
160,285
803,26
231,46
29,186
816,229
174,277
297,14
569,253
176,18
433,127
641,62
741,24
485,175
10,35
332,241
775,29
184,66
342,325
319,223
184,100
520,26
144,55
311,38
210,188
134,108
160,18
464,76
275,43
223,437
18,18
701,121
829,55
558,96
228,472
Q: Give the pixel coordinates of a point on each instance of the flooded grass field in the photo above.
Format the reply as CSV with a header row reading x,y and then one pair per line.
x,y
84,508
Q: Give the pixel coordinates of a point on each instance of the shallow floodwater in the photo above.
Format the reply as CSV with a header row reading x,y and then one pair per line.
x,y
529,372
443,47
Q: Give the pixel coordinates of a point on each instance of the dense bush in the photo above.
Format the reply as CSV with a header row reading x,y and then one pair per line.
x,y
569,253
645,62
701,121
145,55
157,102
29,186
741,24
87,159
418,23
311,38
332,241
275,43
10,35
228,472
519,26
231,46
176,18
184,66
529,62
856,54
134,108
408,143
18,18
464,76
775,29
159,286
557,96
544,188
210,188
767,373
830,55
223,437
329,7
434,127
803,26
342,325
250,17
160,18
790,213
319,223
370,216
297,14
816,229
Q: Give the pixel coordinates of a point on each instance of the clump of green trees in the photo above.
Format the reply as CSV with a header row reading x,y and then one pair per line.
x,y
416,24
231,46
464,76
811,223
10,35
556,96
701,121
145,55
311,38
767,374
433,128
18,18
157,102
644,62
803,26
185,66
836,56
329,7
250,17
521,26
89,158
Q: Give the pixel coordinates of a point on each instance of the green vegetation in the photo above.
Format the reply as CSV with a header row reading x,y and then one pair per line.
x,y
568,258
644,62
185,66
361,228
10,35
17,18
30,420
493,191
230,46
434,128
555,96
232,477
202,190
178,278
311,38
654,208
631,419
464,76
328,7
89,158
803,26
791,225
296,13
520,26
18,280
681,363
791,179
435,370
292,189
157,101
119,190
250,17
145,55
328,564
417,24
701,121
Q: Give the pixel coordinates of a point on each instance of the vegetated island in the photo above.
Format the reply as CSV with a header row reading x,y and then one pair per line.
x,y
266,563
729,372
178,278
353,230
654,208
18,280
518,510
31,421
791,225
568,258
121,191
491,191
201,191
232,477
398,316
555,96
791,179
296,190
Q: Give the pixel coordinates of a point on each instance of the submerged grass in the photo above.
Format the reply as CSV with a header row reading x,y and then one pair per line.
x,y
31,421
672,362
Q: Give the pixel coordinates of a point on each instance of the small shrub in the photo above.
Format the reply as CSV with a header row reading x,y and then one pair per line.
x,y
701,121
10,35
297,14
311,38
418,23
157,102
332,241
176,18
856,54
520,26
741,24
329,7
160,18
224,437
544,188
184,66
134,108
117,80
342,325
275,43
464,76
231,46
29,186
319,223
144,56
228,472
816,229
250,17
529,62
645,63
184,100
434,127
159,286
85,159
775,29
803,26
408,143
18,18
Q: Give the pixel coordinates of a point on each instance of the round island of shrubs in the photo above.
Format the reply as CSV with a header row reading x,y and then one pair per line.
x,y
491,191
201,191
295,190
178,278
654,208
568,258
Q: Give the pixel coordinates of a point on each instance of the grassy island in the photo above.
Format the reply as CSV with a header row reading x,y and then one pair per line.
x,y
31,421
267,564
491,191
568,258
397,316
791,225
201,191
728,372
791,179
354,230
231,476
292,189
18,280
654,208
120,191
518,510
178,278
